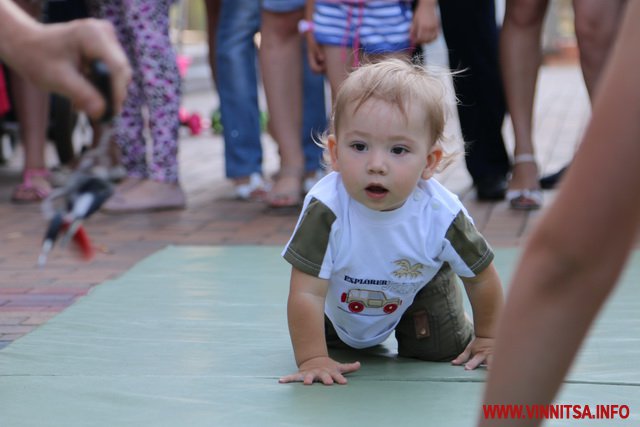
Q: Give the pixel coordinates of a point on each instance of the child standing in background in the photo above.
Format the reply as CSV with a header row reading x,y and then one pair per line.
x,y
380,241
343,32
143,30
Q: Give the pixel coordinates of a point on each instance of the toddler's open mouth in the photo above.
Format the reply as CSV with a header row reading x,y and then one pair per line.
x,y
375,190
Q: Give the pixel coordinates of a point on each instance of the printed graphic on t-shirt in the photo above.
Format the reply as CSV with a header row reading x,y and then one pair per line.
x,y
376,302
407,269
356,300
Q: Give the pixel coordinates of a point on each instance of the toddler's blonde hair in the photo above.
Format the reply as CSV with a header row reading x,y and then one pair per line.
x,y
401,84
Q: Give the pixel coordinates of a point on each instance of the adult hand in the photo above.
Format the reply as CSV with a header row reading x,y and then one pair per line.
x,y
56,57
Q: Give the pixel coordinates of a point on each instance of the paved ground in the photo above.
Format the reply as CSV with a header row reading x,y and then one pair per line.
x,y
30,296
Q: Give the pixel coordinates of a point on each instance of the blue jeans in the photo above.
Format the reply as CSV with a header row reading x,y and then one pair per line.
x,y
237,87
314,116
282,5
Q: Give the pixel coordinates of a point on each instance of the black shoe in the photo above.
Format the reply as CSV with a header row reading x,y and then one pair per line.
x,y
550,181
494,188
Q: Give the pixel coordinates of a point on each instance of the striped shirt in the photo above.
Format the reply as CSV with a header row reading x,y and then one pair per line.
x,y
376,27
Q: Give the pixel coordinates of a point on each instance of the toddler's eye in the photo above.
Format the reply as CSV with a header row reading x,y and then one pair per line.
x,y
399,150
358,146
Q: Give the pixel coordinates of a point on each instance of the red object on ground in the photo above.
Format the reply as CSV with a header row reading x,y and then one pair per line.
x,y
82,241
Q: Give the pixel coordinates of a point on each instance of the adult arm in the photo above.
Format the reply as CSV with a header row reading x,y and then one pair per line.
x,y
55,56
576,253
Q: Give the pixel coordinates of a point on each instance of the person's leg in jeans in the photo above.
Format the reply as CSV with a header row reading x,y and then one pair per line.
x,y
238,91
314,122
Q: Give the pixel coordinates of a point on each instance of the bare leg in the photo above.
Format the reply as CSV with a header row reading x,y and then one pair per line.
x,y
520,56
32,109
596,24
338,67
281,65
32,112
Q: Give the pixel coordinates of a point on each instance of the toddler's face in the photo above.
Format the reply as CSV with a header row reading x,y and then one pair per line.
x,y
381,155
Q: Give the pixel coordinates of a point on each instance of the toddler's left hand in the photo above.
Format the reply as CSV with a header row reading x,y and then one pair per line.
x,y
477,352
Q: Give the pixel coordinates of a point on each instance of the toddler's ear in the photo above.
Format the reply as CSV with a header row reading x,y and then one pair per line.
x,y
332,146
433,160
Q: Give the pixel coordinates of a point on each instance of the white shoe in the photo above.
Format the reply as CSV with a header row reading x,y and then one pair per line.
x,y
256,189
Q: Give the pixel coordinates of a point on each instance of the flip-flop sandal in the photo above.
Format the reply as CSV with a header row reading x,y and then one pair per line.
x,y
286,199
35,187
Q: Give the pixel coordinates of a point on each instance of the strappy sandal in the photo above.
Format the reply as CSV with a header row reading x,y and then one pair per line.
x,y
527,199
35,186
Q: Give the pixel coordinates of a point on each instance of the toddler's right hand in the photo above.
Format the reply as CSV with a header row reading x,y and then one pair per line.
x,y
321,369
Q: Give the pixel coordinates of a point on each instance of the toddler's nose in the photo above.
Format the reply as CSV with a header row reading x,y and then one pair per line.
x,y
377,164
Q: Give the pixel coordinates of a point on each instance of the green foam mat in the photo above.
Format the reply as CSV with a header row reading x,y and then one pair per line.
x,y
197,336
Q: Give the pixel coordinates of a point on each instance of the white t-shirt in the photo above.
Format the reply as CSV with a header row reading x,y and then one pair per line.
x,y
376,262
